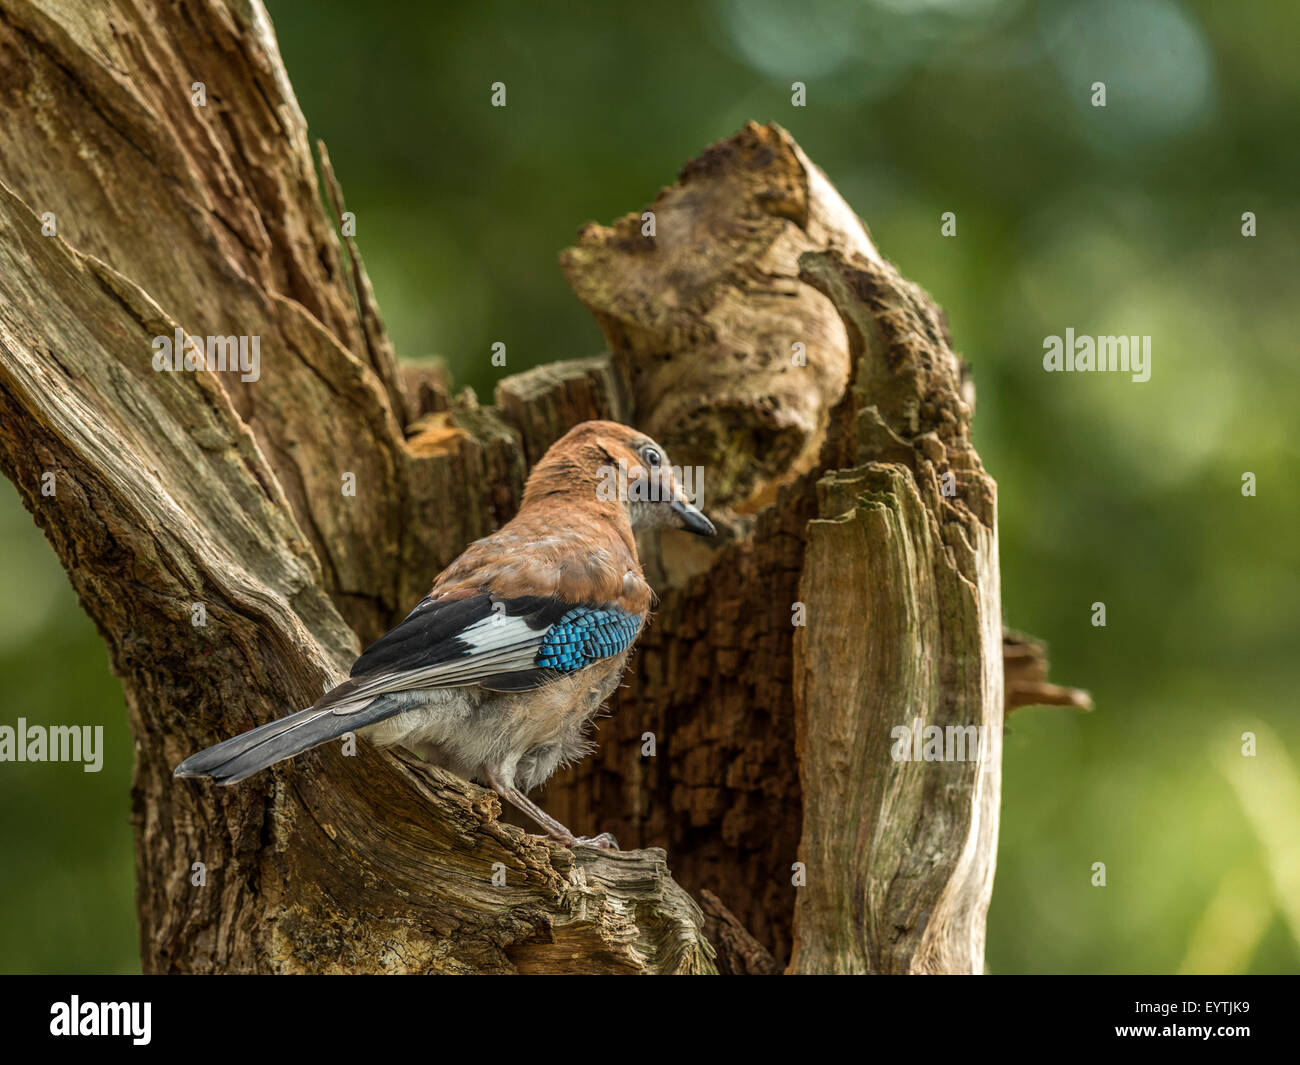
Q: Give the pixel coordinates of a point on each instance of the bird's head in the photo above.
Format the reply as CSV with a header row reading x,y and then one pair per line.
x,y
615,465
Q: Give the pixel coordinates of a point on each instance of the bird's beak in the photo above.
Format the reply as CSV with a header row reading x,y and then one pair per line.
x,y
692,518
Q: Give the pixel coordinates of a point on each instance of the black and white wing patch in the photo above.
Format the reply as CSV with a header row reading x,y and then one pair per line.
x,y
497,643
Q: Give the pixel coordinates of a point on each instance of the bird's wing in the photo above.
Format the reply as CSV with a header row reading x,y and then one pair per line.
x,y
505,644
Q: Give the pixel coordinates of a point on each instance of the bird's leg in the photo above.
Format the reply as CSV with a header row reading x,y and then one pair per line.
x,y
553,828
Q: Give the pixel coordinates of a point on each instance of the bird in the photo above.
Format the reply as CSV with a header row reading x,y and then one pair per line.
x,y
497,673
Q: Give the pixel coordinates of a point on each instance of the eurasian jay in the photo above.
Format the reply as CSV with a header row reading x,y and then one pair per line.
x,y
497,673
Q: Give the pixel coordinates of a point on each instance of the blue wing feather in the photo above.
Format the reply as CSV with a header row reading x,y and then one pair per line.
x,y
585,635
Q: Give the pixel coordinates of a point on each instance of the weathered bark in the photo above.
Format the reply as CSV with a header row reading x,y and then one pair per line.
x,y
902,557
177,489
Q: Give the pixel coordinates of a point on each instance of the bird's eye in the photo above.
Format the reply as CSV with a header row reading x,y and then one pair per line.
x,y
652,456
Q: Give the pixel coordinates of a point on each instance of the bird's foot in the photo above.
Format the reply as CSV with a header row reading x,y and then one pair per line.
x,y
554,829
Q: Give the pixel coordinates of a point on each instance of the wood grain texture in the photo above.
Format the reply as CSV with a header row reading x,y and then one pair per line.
x,y
701,317
899,851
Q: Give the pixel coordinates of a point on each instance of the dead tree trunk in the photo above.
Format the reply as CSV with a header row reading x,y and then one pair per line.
x,y
155,176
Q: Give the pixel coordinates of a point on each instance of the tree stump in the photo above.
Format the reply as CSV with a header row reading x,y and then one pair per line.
x,y
758,334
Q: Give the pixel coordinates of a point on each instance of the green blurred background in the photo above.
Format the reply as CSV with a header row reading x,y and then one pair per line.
x,y
1122,220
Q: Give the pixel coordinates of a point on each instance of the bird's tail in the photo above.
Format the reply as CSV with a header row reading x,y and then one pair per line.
x,y
234,759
